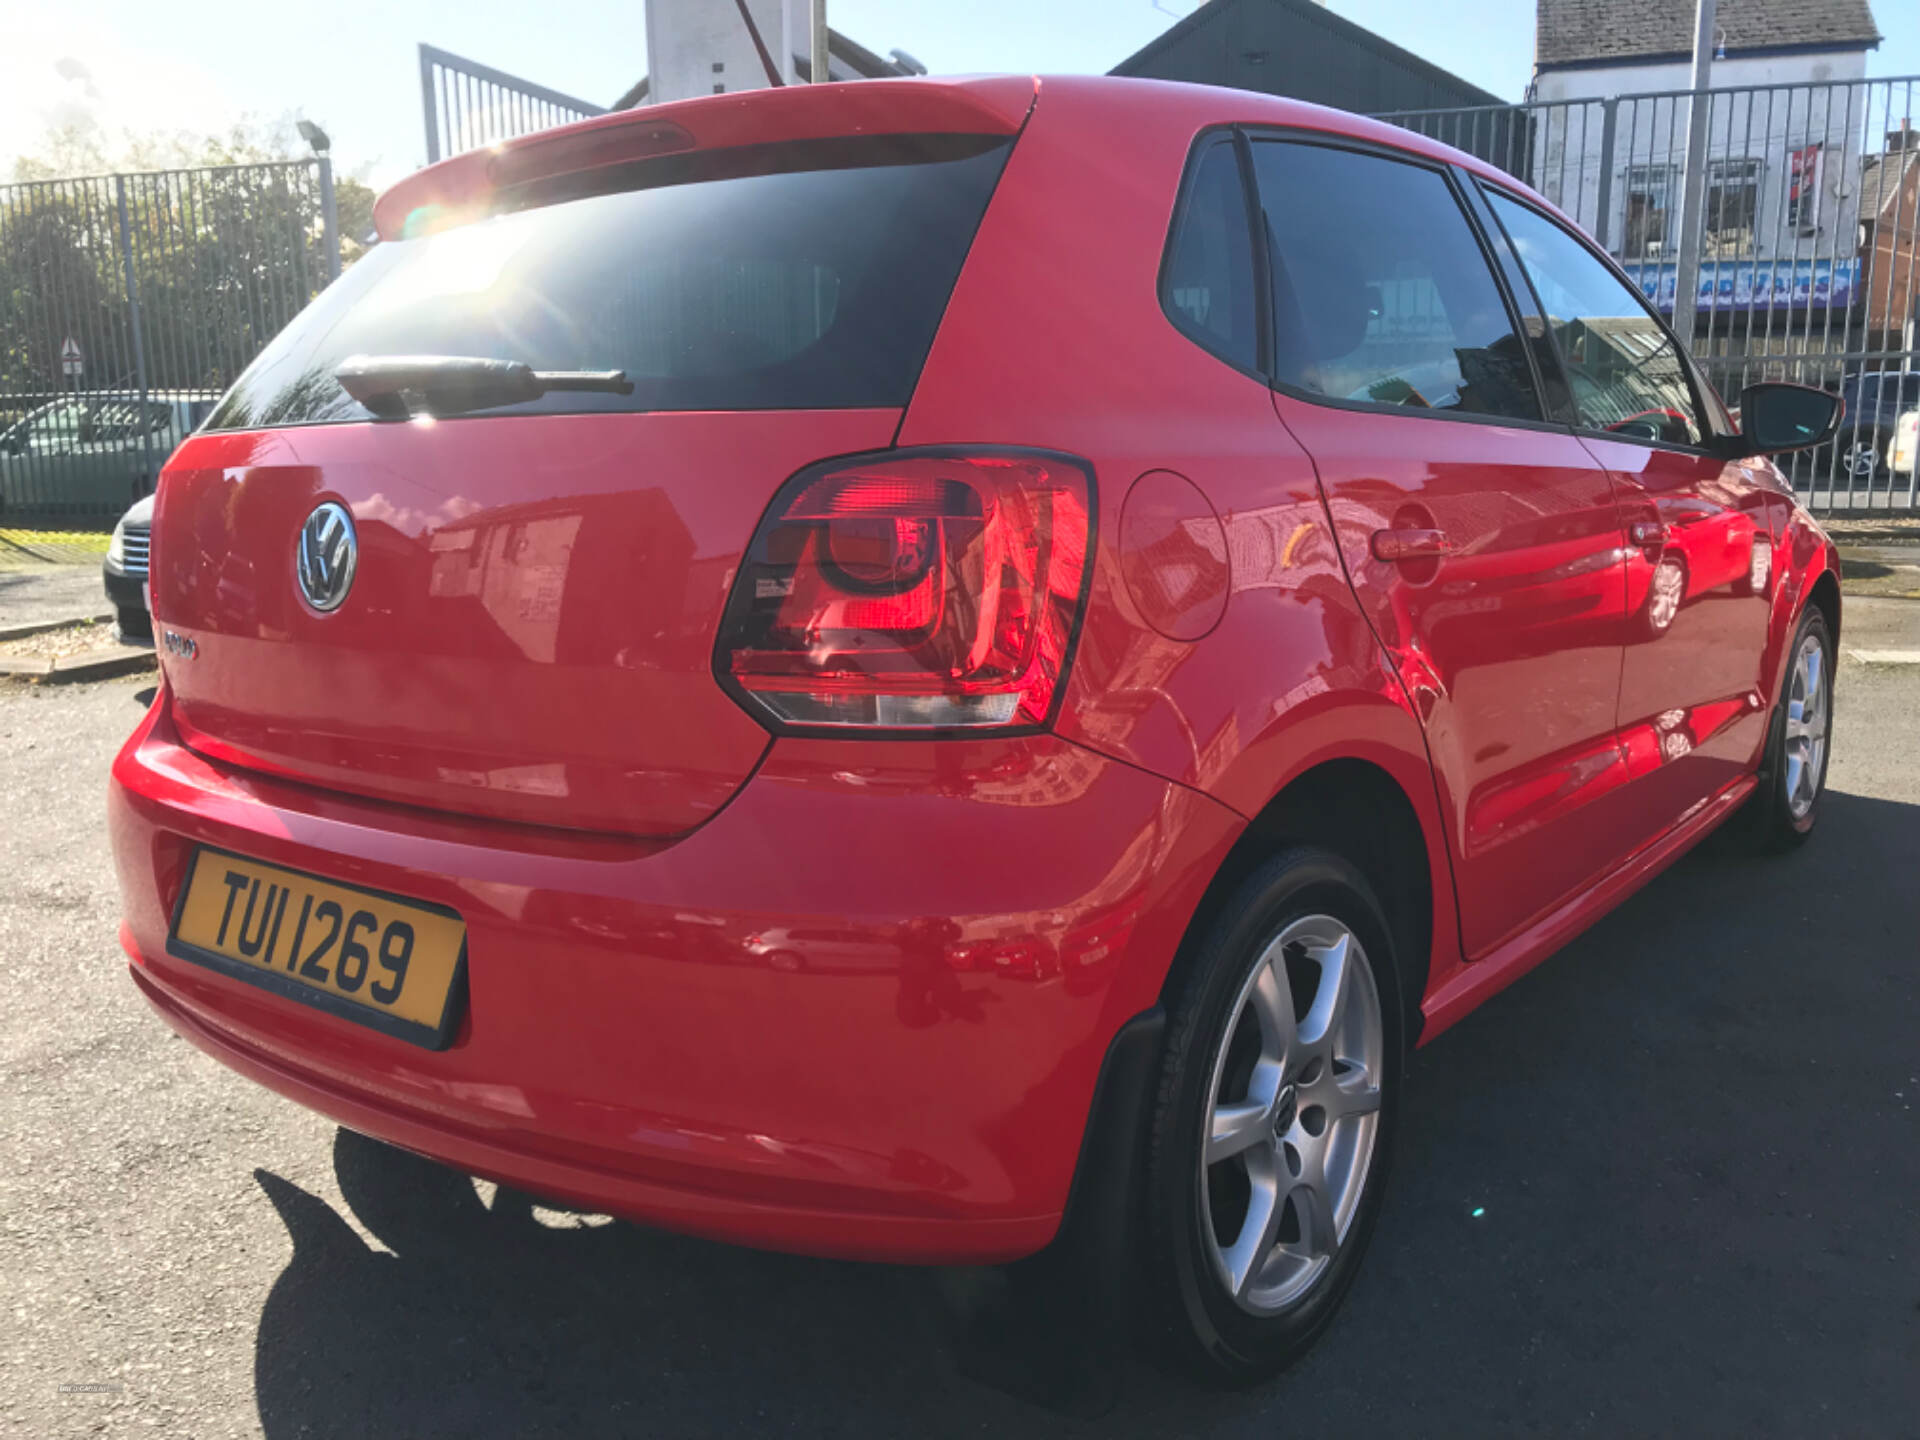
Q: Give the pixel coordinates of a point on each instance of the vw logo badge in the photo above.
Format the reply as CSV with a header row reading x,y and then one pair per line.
x,y
327,555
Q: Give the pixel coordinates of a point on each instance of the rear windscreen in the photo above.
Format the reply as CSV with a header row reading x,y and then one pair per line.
x,y
800,276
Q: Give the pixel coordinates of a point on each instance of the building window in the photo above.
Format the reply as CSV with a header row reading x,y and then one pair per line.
x,y
1803,188
1650,193
1732,202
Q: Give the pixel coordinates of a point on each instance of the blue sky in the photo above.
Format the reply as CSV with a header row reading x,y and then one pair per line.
x,y
350,64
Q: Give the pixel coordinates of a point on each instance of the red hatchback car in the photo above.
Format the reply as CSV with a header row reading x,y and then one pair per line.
x,y
913,669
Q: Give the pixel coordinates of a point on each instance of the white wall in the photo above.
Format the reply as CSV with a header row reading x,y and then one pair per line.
x,y
1731,74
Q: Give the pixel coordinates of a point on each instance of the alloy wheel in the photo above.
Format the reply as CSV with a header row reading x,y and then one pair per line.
x,y
1808,716
1293,1115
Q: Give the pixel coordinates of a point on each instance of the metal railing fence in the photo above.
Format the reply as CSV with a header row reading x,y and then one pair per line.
x,y
467,104
128,303
1807,198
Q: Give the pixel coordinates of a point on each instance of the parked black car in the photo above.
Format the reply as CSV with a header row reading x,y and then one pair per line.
x,y
125,570
1875,400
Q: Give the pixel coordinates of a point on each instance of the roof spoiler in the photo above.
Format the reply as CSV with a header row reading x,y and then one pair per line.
x,y
462,188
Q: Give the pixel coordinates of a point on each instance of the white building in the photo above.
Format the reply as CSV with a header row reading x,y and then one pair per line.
x,y
1784,148
715,47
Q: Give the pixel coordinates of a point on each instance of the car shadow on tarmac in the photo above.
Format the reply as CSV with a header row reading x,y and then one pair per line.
x,y
518,1319
1600,1222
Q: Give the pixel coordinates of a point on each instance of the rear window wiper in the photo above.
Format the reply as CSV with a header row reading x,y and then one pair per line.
x,y
398,387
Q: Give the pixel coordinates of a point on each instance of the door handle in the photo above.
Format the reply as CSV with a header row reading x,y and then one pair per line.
x,y
1393,546
1647,533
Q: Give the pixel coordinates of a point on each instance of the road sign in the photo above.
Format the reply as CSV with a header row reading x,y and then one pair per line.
x,y
71,360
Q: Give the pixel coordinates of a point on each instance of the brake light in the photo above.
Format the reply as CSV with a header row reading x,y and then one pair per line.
x,y
587,148
913,590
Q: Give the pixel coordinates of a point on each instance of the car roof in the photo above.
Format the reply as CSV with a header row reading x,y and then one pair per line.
x,y
1133,100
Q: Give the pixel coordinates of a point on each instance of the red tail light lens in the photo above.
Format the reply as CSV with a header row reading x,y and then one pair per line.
x,y
915,590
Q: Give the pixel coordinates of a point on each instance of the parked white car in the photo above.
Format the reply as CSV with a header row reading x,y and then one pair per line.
x,y
1904,449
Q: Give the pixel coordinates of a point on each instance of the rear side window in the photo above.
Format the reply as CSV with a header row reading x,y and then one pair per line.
x,y
1381,292
1207,287
1625,370
801,276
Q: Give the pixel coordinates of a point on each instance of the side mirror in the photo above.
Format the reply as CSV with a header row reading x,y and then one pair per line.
x,y
1776,417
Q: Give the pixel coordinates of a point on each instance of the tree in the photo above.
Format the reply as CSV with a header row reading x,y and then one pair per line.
x,y
225,237
80,147
353,203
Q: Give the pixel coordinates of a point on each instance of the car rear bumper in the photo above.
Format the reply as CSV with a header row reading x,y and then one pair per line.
x,y
861,1012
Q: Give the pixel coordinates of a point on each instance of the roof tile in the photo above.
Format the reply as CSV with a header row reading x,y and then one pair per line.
x,y
1572,32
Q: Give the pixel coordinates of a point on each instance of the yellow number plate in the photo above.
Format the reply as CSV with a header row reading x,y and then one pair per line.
x,y
396,965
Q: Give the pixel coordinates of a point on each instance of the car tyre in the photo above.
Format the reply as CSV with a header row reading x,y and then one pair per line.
x,y
1793,772
1273,1122
134,623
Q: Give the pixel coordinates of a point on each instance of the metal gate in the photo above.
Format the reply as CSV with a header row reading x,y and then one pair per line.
x,y
128,303
1801,203
468,104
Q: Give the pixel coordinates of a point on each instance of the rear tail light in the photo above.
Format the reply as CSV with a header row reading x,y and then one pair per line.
x,y
913,590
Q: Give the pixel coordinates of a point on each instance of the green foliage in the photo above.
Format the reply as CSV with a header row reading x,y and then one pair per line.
x,y
353,205
226,239
79,147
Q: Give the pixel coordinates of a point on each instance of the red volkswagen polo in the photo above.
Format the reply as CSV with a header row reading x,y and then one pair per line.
x,y
884,669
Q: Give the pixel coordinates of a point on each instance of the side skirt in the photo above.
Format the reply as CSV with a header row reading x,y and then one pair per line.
x,y
1527,949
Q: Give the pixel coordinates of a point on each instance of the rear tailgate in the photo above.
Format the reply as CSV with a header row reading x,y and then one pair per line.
x,y
529,629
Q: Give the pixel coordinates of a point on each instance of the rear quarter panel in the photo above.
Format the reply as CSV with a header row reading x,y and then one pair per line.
x,y
1802,553
1055,337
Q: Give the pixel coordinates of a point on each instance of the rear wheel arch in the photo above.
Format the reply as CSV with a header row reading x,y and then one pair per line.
x,y
1357,810
1807,574
1822,592
1825,593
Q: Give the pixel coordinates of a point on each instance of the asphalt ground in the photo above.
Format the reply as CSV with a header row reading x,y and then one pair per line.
x,y
30,593
1669,1184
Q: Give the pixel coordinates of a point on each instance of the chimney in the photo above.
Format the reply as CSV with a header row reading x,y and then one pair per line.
x,y
1905,138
